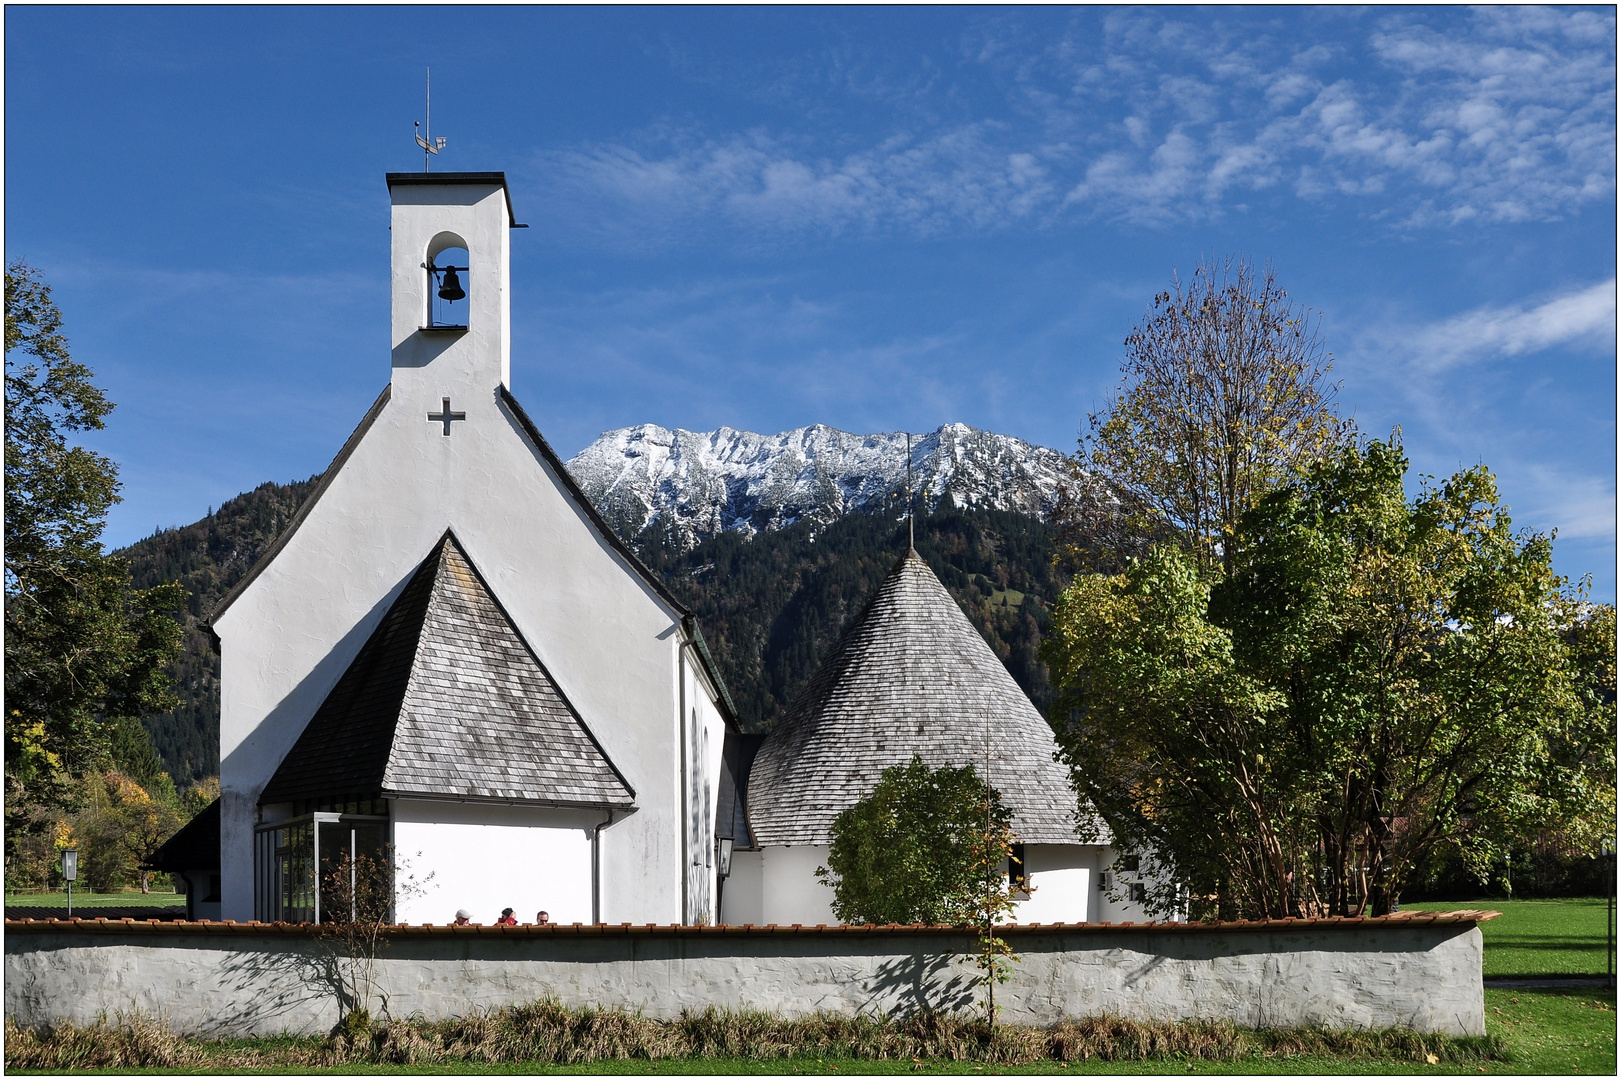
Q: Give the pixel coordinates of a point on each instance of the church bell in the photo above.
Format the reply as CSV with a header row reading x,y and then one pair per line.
x,y
451,289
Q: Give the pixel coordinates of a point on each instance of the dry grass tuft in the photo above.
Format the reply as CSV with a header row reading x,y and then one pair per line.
x,y
548,1032
130,1042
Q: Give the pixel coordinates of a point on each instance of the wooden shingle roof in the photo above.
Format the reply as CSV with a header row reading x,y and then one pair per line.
x,y
911,675
447,700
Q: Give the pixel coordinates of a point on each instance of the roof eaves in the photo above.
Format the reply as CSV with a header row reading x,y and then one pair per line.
x,y
501,800
696,637
429,179
286,536
612,538
202,831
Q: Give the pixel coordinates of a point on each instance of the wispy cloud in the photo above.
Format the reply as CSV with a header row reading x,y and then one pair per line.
x,y
915,184
1583,317
1579,507
1485,117
1415,118
1466,390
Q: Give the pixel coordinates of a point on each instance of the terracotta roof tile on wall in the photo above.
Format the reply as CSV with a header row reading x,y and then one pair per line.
x,y
446,699
911,675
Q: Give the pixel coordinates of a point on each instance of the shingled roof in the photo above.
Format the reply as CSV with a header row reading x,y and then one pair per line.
x,y
446,699
911,675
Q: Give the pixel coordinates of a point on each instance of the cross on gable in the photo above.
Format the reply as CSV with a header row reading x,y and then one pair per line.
x,y
445,416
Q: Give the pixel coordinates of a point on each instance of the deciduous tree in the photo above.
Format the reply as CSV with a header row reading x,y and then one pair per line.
x,y
1373,681
82,647
360,892
1223,392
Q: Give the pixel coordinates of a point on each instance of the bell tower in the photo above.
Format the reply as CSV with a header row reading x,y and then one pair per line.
x,y
452,308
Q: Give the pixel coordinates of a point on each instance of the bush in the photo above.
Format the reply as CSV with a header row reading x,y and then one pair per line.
x,y
906,853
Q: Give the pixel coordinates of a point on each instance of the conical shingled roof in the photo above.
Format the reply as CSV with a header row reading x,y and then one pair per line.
x,y
911,675
446,699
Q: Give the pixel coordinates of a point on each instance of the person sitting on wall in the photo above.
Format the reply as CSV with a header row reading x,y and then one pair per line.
x,y
462,918
542,919
507,918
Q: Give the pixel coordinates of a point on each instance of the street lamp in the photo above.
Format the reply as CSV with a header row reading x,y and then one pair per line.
x,y
724,856
70,871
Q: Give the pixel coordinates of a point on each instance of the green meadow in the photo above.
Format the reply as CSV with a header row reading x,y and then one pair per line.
x,y
1540,937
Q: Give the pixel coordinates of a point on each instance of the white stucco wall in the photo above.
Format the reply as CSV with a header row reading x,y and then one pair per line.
x,y
1066,880
741,900
790,891
1062,878
484,858
605,635
245,983
1112,892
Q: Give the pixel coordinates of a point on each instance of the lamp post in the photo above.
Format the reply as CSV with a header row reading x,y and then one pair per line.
x,y
724,856
723,870
70,871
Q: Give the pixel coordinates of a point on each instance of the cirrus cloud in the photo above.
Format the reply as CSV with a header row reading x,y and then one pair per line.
x,y
1414,119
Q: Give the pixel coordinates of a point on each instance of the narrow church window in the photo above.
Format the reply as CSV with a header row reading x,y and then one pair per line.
x,y
1128,863
449,286
1139,892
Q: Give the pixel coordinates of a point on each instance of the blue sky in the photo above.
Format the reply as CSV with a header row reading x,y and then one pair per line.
x,y
870,218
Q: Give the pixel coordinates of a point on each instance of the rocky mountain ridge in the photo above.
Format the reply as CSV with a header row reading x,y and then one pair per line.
x,y
688,486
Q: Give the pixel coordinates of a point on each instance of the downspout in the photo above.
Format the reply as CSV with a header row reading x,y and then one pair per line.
x,y
596,867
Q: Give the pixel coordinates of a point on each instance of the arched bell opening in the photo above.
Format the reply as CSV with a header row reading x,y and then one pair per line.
x,y
449,269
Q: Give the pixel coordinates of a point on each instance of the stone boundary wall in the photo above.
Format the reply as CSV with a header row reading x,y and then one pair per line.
x,y
1420,971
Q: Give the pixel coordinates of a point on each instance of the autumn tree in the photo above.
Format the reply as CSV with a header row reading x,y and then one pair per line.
x,y
1223,392
1373,682
82,648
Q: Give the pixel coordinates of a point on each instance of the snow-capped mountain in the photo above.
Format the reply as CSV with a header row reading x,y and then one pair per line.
x,y
698,483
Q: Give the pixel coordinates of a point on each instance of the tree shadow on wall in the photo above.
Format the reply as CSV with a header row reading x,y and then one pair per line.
x,y
283,986
922,983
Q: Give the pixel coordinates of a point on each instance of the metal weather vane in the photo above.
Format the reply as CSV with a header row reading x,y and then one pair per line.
x,y
424,135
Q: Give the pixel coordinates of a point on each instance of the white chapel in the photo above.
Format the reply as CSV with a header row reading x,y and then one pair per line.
x,y
449,656
449,652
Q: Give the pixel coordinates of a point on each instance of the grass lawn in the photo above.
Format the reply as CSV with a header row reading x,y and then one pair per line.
x,y
1539,937
83,899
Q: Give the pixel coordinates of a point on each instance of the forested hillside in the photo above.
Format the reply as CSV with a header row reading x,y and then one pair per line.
x,y
208,557
770,606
